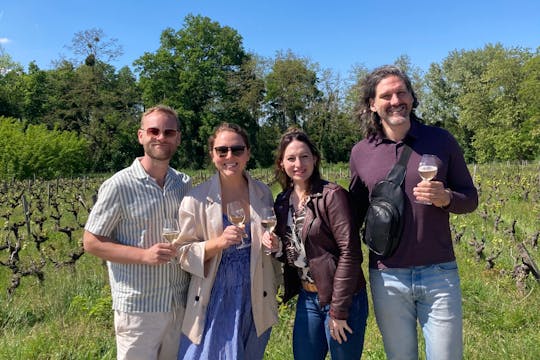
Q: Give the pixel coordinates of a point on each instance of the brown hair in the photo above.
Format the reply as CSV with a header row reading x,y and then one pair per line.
x,y
235,128
288,137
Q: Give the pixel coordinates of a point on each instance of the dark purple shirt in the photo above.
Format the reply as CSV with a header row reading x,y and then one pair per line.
x,y
426,235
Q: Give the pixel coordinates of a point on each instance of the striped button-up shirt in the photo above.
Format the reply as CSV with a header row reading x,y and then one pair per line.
x,y
130,209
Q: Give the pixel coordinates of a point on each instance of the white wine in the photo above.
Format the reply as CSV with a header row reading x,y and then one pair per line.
x,y
427,172
269,224
236,220
170,236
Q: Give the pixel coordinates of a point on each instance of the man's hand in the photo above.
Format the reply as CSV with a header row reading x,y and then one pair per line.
x,y
160,253
434,192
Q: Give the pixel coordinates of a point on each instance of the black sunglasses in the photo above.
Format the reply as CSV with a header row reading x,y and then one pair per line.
x,y
152,131
237,150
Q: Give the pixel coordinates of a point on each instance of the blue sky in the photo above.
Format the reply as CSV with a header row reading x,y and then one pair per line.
x,y
336,34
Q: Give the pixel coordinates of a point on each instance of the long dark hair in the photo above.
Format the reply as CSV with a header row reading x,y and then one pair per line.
x,y
369,120
288,137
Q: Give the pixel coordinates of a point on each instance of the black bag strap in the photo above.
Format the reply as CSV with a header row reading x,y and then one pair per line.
x,y
397,174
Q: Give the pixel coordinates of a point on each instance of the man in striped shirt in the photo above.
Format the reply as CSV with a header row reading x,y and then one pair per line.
x,y
124,228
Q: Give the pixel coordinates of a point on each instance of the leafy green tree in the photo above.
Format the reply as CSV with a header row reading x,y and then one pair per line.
x,y
328,124
352,90
33,150
242,101
291,90
36,89
11,85
440,104
267,141
11,135
489,105
528,95
476,93
194,71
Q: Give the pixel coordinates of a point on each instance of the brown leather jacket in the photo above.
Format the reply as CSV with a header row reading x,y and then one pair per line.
x,y
332,247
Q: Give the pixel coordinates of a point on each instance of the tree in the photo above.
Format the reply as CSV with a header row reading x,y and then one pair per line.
x,y
528,95
328,123
441,108
35,94
193,71
11,93
477,92
33,150
91,45
291,89
101,105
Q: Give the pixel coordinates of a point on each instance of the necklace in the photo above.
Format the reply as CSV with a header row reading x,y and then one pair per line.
x,y
302,200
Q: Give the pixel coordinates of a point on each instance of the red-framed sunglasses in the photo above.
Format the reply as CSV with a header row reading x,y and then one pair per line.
x,y
154,132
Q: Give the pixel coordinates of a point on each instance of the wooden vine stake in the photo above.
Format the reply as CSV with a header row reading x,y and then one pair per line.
x,y
26,215
528,260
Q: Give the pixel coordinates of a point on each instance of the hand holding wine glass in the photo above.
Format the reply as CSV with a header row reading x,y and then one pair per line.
x,y
237,216
170,231
427,168
268,221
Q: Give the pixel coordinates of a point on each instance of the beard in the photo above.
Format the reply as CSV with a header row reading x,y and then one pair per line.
x,y
161,152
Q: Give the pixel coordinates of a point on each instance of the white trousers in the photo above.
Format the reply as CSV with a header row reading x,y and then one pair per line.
x,y
149,335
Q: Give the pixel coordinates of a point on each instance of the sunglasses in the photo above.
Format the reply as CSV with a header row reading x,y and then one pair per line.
x,y
236,150
152,131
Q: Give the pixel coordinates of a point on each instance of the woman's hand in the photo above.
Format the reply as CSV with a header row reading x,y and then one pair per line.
x,y
337,329
270,241
232,235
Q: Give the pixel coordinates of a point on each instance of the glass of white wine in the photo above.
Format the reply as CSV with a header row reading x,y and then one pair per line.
x,y
170,231
237,216
427,168
268,221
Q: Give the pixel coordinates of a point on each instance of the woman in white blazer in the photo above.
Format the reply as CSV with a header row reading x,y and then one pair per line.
x,y
231,304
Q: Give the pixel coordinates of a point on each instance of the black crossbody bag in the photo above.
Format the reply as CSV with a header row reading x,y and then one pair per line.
x,y
384,216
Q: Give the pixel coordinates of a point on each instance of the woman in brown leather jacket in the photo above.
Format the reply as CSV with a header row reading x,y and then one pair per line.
x,y
321,250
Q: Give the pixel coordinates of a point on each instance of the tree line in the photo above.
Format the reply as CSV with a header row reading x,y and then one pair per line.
x,y
82,115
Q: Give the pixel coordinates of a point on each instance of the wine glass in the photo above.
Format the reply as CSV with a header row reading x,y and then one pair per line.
x,y
237,216
268,221
427,168
170,231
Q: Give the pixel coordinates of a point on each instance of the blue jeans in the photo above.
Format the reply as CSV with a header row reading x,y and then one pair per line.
x,y
311,337
429,295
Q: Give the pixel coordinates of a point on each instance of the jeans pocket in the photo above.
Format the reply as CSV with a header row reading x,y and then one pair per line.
x,y
447,266
325,309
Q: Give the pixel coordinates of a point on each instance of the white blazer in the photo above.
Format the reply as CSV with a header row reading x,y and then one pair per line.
x,y
201,218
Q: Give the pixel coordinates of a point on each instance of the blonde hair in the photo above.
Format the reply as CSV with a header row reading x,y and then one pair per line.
x,y
163,109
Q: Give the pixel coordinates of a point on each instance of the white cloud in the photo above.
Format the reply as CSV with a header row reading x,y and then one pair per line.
x,y
4,40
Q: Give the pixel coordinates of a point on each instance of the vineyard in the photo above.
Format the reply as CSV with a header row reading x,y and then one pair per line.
x,y
55,301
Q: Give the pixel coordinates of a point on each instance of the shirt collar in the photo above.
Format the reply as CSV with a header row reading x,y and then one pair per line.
x,y
138,169
140,173
411,135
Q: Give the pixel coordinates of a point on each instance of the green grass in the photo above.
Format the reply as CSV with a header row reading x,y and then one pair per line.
x,y
68,315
